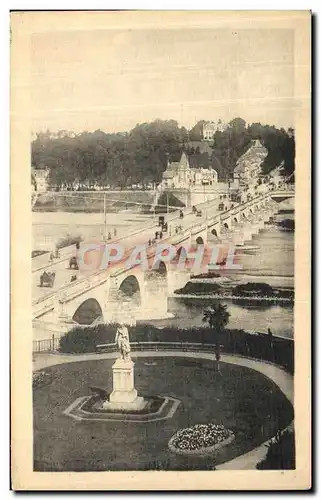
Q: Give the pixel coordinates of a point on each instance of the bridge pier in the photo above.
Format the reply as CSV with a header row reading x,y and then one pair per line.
x,y
177,279
226,236
238,237
155,294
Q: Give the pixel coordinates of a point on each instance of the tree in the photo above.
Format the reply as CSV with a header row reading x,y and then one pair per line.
x,y
238,124
33,181
140,156
217,317
196,133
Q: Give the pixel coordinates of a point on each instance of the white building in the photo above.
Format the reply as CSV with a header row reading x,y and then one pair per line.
x,y
204,177
209,129
249,166
179,175
41,176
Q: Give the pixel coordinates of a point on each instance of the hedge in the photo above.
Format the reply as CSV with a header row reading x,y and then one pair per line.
x,y
281,453
273,349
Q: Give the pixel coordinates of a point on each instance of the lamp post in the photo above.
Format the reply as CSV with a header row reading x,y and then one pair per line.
x,y
105,234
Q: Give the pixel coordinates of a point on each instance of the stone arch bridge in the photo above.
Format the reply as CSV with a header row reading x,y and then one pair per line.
x,y
127,294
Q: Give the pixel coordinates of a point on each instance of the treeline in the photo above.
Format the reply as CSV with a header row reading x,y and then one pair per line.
x,y
140,156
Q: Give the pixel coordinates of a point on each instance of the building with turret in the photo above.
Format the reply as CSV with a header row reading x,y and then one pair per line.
x,y
180,175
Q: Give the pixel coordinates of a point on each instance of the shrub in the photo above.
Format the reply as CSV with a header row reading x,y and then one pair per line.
x,y
85,339
68,240
288,224
198,288
41,378
208,275
281,453
257,288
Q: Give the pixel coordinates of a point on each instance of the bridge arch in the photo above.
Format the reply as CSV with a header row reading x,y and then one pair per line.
x,y
88,312
235,220
130,289
214,233
180,251
226,225
199,240
160,271
156,279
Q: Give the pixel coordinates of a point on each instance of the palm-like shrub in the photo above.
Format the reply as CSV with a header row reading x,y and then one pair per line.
x,y
217,317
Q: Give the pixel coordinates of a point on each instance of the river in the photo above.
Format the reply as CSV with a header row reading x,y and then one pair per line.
x,y
273,263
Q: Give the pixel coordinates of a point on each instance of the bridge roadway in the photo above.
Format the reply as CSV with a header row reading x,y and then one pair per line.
x,y
141,235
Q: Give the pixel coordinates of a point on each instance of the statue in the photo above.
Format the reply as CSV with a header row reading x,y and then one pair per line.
x,y
122,342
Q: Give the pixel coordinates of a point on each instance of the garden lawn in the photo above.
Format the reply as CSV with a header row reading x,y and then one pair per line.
x,y
241,399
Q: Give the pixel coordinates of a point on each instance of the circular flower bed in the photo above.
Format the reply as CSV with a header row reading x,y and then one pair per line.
x,y
200,439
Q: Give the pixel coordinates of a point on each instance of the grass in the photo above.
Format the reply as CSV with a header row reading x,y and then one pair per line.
x,y
241,399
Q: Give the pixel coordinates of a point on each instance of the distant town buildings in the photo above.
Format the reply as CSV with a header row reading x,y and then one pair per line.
x,y
248,166
41,179
180,175
209,129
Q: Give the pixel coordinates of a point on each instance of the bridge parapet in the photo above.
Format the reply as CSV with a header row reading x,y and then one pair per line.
x,y
198,228
226,215
213,221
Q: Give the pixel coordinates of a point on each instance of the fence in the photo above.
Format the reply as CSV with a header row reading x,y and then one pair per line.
x,y
46,345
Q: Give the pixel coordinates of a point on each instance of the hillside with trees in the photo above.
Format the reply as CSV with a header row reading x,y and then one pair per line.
x,y
230,145
140,155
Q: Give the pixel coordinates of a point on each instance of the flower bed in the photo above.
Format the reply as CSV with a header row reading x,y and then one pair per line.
x,y
40,378
201,439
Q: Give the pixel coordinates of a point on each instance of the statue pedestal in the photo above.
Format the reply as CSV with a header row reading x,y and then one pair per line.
x,y
124,395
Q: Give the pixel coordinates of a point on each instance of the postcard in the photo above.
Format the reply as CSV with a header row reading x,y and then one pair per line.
x,y
160,251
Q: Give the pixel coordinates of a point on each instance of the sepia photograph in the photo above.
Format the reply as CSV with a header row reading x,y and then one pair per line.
x,y
165,276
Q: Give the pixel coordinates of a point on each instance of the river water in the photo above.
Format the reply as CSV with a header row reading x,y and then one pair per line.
x,y
271,262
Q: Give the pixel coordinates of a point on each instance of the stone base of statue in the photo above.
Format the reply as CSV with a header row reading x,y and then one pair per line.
x,y
124,395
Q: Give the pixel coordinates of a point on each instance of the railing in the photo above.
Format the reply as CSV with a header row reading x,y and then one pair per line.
x,y
52,344
46,345
262,347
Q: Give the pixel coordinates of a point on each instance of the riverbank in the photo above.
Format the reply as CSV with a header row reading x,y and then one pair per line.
x,y
93,201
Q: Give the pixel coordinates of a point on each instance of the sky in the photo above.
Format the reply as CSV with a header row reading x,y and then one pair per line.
x,y
113,79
